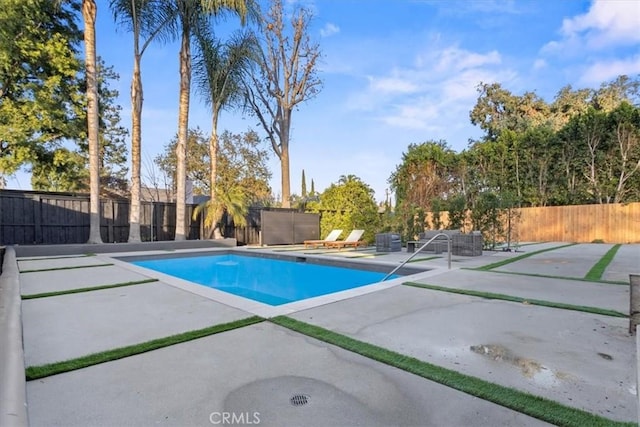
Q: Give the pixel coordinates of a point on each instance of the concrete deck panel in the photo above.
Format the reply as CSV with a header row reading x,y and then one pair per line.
x,y
571,261
69,326
64,280
626,261
253,372
66,262
602,295
578,359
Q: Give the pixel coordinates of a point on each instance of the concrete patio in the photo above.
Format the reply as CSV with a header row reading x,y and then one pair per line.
x,y
579,359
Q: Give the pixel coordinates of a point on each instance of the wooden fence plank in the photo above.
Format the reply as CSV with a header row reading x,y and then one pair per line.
x,y
611,223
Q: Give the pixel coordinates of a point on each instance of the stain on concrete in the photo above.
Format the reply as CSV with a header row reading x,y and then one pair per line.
x,y
529,368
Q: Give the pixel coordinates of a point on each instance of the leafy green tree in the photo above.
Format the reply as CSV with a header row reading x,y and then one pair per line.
x,y
498,109
348,204
197,162
457,208
72,165
242,173
233,201
60,170
568,103
427,171
303,190
287,77
40,88
436,213
624,122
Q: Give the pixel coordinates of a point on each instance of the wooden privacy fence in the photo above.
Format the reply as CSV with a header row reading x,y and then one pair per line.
x,y
610,223
61,218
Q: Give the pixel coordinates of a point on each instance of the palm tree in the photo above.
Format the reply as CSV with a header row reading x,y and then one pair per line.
x,y
232,200
149,18
192,15
220,69
89,12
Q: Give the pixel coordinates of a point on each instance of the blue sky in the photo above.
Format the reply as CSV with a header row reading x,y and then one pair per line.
x,y
397,72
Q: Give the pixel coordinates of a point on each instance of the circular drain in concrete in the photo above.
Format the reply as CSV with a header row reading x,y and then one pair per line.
x,y
299,399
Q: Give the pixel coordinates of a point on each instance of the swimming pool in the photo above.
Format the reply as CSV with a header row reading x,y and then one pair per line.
x,y
270,281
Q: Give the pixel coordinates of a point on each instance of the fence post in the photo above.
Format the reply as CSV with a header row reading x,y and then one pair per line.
x,y
634,302
110,222
37,219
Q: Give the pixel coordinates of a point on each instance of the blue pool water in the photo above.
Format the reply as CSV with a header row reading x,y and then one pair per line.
x,y
269,281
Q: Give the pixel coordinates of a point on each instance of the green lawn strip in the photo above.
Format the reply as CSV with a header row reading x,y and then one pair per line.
x,y
424,259
74,267
598,269
519,257
550,276
41,371
491,295
535,406
88,289
55,257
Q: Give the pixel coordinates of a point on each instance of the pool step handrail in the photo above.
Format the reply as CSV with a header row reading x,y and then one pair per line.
x,y
419,250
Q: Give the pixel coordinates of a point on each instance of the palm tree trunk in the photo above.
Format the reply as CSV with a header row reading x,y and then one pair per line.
x,y
89,11
136,142
213,155
183,127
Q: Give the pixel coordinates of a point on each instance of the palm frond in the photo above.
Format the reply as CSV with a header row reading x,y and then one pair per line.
x,y
232,201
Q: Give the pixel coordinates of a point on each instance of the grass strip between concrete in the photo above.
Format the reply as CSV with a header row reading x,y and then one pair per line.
x,y
423,259
73,267
41,371
551,276
511,298
519,257
534,406
598,269
88,289
55,257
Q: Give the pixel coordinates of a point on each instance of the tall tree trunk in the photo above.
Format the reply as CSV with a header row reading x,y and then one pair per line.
x,y
136,142
284,161
213,155
89,11
183,127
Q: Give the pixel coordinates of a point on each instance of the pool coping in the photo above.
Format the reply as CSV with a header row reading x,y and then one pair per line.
x,y
258,308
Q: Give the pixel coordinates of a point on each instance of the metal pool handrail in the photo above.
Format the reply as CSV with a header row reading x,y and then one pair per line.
x,y
420,249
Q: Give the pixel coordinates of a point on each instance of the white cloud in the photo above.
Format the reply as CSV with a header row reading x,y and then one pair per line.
x,y
455,59
415,115
539,64
607,23
329,30
609,70
434,93
392,85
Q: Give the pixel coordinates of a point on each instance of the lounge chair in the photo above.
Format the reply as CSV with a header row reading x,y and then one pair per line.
x,y
331,237
352,239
